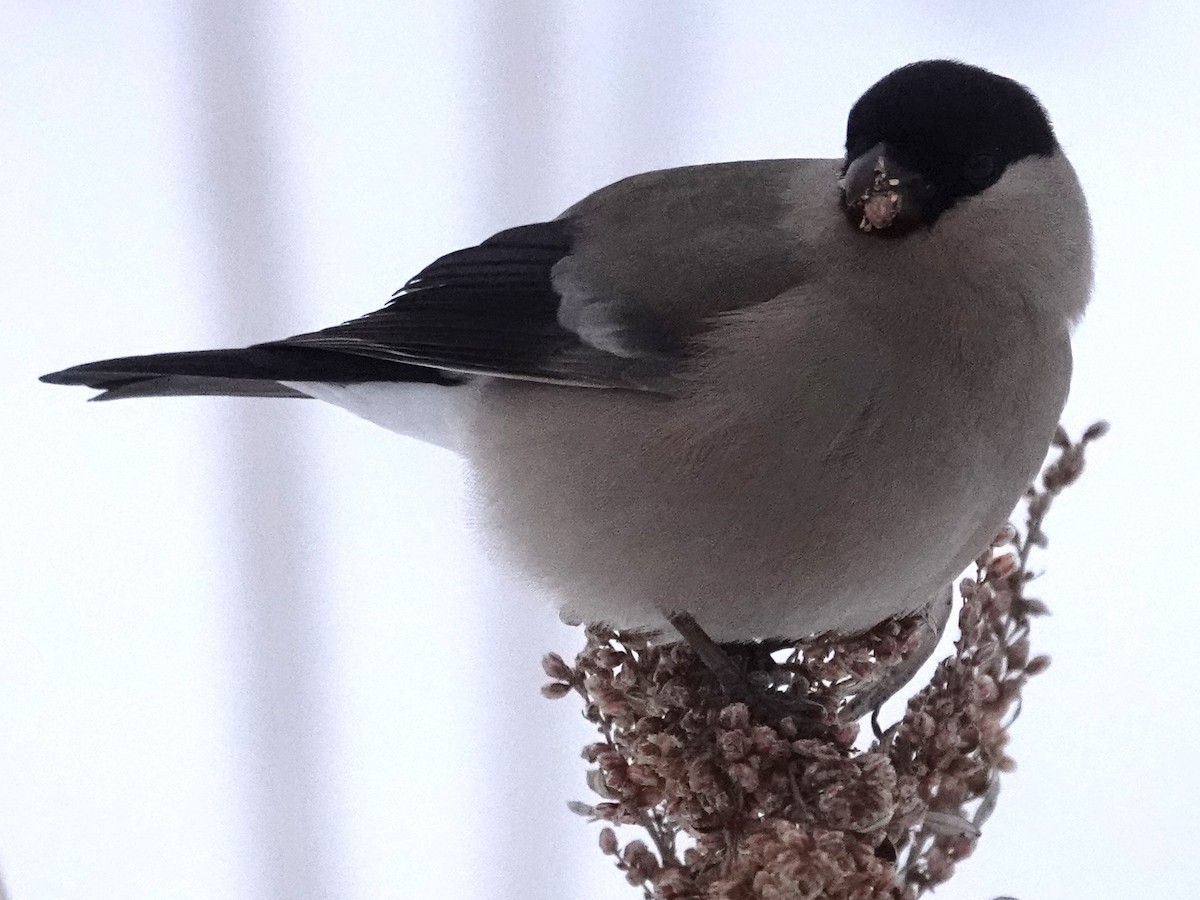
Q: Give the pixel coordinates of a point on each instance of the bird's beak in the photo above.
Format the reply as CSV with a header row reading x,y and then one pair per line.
x,y
880,195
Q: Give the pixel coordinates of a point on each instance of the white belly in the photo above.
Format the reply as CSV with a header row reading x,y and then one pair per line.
x,y
432,413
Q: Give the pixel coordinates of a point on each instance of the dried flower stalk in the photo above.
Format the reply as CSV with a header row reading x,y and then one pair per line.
x,y
735,808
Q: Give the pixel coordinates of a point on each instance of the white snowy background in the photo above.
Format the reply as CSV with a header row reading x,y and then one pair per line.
x,y
245,648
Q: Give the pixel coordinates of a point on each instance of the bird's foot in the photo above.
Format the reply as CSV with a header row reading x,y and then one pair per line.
x,y
766,704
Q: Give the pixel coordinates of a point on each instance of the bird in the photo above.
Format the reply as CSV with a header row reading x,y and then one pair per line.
x,y
767,399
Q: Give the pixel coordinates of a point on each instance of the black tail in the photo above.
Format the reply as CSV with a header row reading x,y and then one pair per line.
x,y
250,372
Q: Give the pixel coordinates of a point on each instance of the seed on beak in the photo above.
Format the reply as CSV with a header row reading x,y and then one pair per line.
x,y
881,201
879,210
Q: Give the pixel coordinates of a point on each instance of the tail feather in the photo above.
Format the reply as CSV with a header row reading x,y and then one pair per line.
x,y
249,372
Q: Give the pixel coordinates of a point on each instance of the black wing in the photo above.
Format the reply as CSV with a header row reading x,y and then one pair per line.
x,y
490,309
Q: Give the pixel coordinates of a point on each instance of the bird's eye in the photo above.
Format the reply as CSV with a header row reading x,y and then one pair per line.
x,y
982,169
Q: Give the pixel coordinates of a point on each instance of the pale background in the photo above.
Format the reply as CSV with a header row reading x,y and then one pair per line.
x,y
245,650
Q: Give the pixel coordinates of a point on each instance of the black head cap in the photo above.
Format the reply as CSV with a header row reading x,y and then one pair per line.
x,y
957,126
